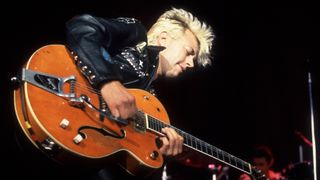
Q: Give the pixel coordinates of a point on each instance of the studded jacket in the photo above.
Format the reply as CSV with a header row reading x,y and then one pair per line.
x,y
112,49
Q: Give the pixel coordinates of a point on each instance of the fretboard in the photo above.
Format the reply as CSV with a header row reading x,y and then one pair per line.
x,y
202,146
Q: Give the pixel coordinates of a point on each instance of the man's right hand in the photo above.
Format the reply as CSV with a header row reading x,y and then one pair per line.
x,y
120,102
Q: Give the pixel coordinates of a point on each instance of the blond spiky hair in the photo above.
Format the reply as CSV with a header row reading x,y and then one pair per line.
x,y
176,21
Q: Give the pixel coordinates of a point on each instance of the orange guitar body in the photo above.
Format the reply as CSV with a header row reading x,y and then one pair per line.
x,y
40,114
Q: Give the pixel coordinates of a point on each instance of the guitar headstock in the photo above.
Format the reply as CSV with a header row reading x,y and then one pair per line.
x,y
258,175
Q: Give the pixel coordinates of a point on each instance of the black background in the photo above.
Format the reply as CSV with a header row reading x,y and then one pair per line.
x,y
256,92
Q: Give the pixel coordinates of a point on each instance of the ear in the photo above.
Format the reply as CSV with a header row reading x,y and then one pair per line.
x,y
163,38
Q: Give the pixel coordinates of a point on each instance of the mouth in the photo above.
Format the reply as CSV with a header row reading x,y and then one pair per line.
x,y
182,68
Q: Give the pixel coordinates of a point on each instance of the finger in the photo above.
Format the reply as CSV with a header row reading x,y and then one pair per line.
x,y
127,107
171,137
119,110
177,140
165,145
114,111
125,111
133,107
167,140
180,149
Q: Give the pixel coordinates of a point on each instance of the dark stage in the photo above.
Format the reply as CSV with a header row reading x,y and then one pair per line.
x,y
256,92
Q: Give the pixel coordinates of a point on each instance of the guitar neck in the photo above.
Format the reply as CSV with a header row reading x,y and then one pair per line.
x,y
202,146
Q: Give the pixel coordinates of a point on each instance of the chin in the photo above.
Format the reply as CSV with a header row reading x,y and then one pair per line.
x,y
172,75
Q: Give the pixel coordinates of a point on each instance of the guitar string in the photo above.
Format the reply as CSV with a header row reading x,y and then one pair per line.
x,y
88,88
159,125
203,146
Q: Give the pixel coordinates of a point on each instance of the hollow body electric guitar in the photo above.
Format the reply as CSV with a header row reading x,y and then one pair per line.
x,y
63,116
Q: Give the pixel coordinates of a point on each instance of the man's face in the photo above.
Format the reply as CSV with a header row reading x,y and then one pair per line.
x,y
262,164
180,54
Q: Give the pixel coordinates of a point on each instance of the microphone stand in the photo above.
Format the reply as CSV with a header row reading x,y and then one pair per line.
x,y
314,154
214,170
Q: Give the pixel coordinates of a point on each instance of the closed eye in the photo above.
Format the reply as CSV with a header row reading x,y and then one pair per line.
x,y
190,51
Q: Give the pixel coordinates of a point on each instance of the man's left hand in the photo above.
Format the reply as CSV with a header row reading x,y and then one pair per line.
x,y
172,142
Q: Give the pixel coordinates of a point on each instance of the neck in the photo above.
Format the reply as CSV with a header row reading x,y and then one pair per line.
x,y
158,73
161,67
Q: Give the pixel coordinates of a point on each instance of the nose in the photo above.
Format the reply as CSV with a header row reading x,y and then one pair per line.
x,y
190,62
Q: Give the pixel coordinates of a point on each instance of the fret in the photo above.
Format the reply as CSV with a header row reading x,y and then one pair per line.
x,y
211,152
214,152
151,122
220,154
193,143
227,157
239,163
152,125
206,148
186,140
233,161
202,146
246,167
180,132
158,126
197,144
161,124
190,140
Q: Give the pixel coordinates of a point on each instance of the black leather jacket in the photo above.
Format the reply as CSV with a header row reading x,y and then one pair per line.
x,y
112,49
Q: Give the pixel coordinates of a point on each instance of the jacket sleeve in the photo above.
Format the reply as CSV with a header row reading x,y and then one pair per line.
x,y
96,40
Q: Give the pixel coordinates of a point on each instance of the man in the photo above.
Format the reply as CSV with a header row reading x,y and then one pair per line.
x,y
116,54
262,159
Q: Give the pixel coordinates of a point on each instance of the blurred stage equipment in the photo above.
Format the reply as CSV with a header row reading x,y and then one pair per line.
x,y
218,171
299,171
